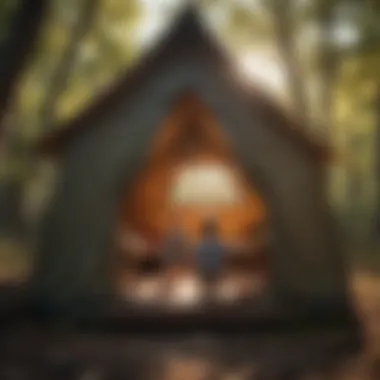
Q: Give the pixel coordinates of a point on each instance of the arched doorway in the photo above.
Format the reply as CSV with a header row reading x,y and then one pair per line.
x,y
190,176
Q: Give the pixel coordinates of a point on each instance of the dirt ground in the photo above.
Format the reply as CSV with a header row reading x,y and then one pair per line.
x,y
29,355
366,298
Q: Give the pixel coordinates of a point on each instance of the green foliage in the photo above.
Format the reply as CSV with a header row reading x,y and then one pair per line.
x,y
252,23
6,11
106,51
338,44
110,46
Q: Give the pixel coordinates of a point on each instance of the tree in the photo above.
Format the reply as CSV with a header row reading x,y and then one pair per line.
x,y
327,61
107,50
282,12
377,162
271,24
362,85
371,42
20,29
59,80
16,46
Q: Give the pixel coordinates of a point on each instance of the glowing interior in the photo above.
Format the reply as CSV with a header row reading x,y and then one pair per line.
x,y
191,174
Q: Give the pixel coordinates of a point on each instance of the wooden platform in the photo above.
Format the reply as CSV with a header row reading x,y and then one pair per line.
x,y
181,288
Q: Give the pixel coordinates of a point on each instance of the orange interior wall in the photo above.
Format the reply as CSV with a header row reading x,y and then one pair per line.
x,y
146,205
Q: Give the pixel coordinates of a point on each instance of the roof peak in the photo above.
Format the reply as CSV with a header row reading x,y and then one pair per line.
x,y
190,8
189,16
188,27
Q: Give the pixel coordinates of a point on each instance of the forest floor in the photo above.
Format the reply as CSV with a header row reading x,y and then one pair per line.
x,y
42,355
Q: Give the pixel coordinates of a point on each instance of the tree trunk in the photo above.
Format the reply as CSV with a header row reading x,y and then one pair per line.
x,y
61,75
327,63
354,185
377,163
12,183
13,189
17,47
11,221
281,11
15,50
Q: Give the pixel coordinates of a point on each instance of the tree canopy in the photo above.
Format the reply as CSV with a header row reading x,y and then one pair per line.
x,y
327,50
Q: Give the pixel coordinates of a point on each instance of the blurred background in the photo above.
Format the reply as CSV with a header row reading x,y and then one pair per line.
x,y
319,58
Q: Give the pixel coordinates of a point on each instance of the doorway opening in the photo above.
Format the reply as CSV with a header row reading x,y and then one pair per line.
x,y
190,179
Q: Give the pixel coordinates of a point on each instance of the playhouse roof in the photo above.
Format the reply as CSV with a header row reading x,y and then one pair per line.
x,y
188,31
